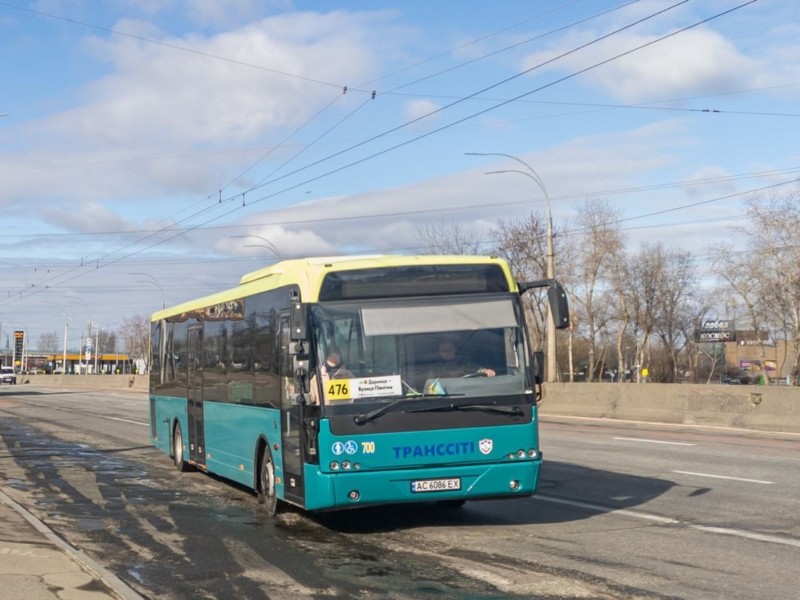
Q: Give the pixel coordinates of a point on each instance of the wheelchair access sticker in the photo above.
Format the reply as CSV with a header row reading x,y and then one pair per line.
x,y
349,447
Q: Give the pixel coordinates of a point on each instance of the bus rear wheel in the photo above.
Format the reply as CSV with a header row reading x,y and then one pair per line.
x,y
177,450
267,494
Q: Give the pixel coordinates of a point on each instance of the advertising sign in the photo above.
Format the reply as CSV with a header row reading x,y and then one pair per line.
x,y
19,342
716,325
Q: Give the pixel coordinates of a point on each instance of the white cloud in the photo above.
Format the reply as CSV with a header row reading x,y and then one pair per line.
x,y
275,241
694,62
160,122
419,109
84,217
706,181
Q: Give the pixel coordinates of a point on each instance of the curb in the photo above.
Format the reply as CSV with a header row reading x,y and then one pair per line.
x,y
113,582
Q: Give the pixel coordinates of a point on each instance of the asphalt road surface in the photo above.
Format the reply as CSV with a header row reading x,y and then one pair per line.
x,y
625,510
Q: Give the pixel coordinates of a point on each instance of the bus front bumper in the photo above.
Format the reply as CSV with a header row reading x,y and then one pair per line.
x,y
351,489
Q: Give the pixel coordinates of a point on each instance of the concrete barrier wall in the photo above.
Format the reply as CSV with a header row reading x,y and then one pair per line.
x,y
750,407
100,382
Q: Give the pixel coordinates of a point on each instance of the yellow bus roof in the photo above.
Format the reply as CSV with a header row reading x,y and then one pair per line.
x,y
308,273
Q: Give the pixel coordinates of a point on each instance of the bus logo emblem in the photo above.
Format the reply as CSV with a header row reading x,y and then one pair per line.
x,y
485,446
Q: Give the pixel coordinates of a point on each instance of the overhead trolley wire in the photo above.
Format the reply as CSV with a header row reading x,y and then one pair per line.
x,y
427,134
171,46
216,204
470,96
511,47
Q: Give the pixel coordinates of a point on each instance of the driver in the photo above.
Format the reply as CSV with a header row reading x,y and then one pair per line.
x,y
449,364
332,368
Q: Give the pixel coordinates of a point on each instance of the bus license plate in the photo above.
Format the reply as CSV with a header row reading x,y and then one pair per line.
x,y
436,485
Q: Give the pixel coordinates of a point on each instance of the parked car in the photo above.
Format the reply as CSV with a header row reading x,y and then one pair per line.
x,y
7,375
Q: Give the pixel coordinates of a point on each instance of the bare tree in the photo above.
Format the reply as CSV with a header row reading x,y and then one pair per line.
x,y
675,316
135,333
452,238
620,279
766,276
106,342
48,342
645,275
598,242
523,245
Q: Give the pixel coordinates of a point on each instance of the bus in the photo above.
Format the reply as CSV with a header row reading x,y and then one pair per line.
x,y
238,388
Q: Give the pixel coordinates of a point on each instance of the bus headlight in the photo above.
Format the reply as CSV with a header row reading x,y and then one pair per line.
x,y
514,485
354,495
334,466
520,453
346,465
532,453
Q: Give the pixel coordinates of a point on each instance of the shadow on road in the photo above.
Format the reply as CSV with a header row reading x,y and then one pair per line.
x,y
572,483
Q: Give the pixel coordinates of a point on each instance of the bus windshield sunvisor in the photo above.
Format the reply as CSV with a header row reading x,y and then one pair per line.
x,y
458,316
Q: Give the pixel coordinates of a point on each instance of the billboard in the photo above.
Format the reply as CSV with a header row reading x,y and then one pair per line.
x,y
19,343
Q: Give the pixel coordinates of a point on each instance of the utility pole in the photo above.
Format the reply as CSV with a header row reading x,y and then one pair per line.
x,y
530,173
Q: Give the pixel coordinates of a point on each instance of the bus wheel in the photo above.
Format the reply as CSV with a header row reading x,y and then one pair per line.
x,y
177,450
267,494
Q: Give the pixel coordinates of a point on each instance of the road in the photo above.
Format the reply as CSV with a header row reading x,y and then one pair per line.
x,y
625,510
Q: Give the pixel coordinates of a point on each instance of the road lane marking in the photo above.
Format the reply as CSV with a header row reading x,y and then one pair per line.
x,y
123,420
759,537
724,477
605,509
627,439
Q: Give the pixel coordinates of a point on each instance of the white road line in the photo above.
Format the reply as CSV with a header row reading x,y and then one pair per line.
x,y
759,537
725,477
605,509
627,439
123,420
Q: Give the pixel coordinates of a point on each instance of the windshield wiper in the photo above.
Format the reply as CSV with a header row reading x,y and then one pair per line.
x,y
363,418
513,411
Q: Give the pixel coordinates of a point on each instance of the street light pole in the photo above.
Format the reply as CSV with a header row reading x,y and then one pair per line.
x,y
66,327
154,281
64,359
267,244
531,174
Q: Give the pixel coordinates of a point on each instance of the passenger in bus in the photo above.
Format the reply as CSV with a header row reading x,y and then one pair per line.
x,y
449,364
332,368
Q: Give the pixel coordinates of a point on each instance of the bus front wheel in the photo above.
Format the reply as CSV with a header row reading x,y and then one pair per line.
x,y
267,495
177,450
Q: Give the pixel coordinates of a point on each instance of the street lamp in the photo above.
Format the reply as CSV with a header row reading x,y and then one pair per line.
x,y
531,174
66,327
154,281
78,300
267,244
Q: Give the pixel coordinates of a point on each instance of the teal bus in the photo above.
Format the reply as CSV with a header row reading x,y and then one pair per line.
x,y
239,384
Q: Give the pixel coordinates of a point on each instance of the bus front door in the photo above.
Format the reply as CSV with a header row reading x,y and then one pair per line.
x,y
291,431
194,395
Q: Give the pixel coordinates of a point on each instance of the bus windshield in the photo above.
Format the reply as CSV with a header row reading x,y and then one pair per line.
x,y
385,350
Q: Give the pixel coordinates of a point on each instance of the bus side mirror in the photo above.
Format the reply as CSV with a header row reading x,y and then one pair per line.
x,y
558,305
538,367
298,325
556,296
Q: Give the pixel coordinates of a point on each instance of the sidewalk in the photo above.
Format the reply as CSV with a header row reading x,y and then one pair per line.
x,y
35,564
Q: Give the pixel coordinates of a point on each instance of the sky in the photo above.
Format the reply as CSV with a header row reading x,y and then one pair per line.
x,y
153,151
